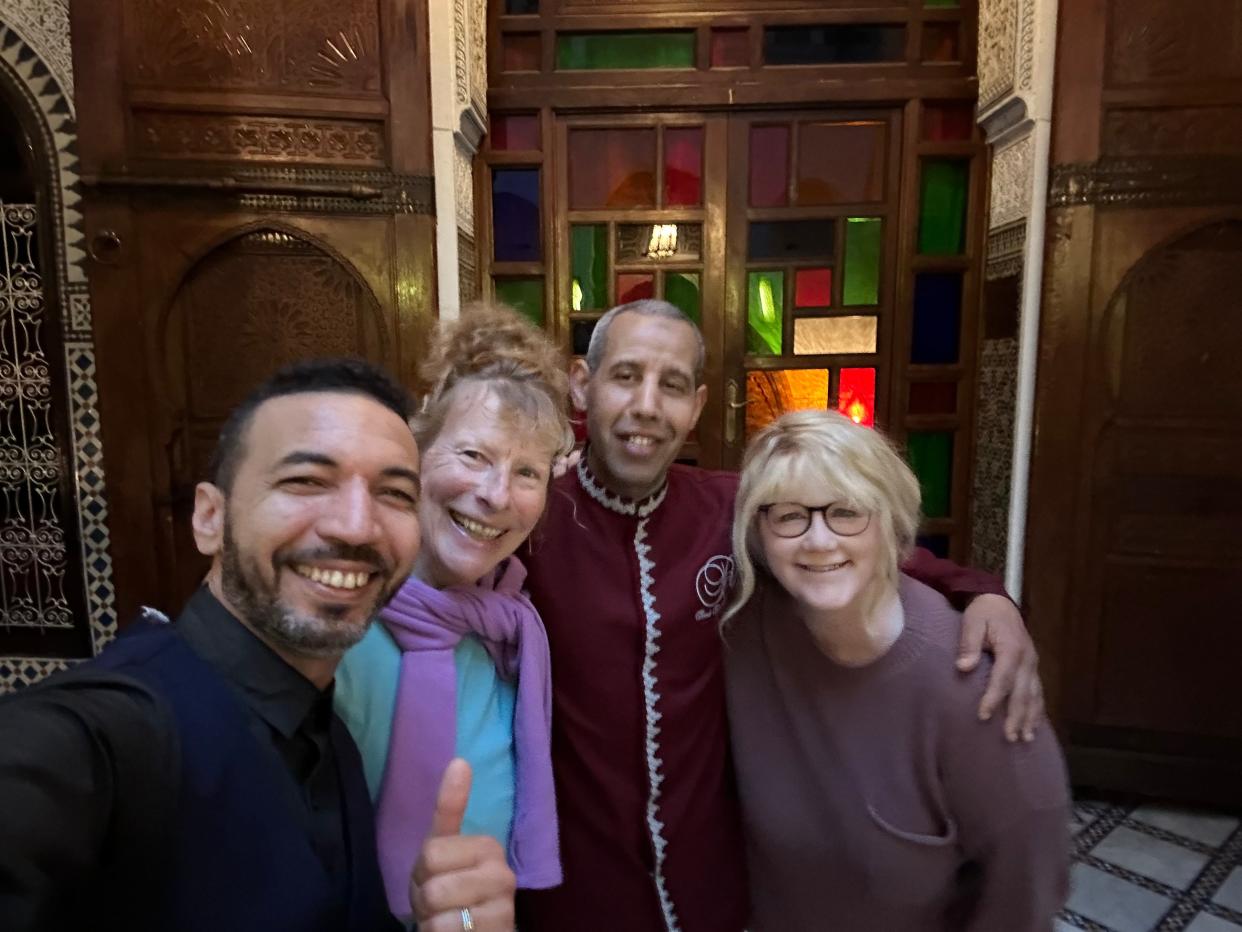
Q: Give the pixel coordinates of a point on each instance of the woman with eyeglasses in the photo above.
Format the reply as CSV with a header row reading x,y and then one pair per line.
x,y
873,799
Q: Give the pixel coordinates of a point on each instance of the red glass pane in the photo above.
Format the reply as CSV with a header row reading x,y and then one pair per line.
x,y
730,48
769,166
634,287
521,51
841,163
683,167
941,42
813,288
933,398
515,132
856,396
612,168
950,121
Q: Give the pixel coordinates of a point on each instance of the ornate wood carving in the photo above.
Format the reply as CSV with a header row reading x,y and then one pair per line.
x,y
998,50
467,266
1006,245
1202,130
212,136
1168,181
287,45
1153,41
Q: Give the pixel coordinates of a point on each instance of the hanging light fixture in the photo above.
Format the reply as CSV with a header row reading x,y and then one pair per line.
x,y
663,242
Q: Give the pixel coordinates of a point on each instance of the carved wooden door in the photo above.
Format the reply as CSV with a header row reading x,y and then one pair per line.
x,y
1136,495
258,191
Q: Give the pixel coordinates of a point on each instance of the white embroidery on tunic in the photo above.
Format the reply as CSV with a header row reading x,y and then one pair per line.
x,y
614,502
651,696
712,585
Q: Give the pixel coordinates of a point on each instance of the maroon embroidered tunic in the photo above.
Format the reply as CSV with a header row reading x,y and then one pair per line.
x,y
631,594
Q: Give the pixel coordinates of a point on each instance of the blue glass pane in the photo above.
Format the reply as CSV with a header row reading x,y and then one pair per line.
x,y
937,318
515,214
580,335
837,44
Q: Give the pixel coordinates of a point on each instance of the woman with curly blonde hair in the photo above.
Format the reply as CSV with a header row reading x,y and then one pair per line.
x,y
871,797
459,665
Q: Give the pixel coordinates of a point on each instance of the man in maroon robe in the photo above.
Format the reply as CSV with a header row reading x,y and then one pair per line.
x,y
630,571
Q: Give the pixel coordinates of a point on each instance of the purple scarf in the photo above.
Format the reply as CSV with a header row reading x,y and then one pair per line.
x,y
427,625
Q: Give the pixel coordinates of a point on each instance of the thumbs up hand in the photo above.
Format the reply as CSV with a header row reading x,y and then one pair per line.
x,y
461,883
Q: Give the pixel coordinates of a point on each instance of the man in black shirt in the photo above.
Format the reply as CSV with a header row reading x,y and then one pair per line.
x,y
195,775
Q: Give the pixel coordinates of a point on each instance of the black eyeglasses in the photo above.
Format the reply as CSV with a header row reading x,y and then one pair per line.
x,y
789,519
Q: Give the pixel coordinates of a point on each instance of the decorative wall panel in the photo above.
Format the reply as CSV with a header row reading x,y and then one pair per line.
x,y
1156,42
1012,173
327,46
202,136
1145,131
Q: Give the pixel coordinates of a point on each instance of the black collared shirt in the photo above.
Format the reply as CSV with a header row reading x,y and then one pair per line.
x,y
287,714
87,752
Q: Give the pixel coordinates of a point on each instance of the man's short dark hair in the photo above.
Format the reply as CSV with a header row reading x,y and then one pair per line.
x,y
349,376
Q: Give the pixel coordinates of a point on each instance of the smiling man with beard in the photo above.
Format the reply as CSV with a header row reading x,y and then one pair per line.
x,y
194,776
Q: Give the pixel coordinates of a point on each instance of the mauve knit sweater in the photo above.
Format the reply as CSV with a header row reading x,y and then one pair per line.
x,y
873,798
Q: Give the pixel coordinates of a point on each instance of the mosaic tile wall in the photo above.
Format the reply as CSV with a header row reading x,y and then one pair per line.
x,y
33,52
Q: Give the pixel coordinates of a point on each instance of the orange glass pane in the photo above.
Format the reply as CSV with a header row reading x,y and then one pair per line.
x,y
521,51
840,163
770,394
856,396
612,168
769,166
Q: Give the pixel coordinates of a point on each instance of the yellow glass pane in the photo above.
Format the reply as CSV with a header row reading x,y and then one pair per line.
x,y
822,335
770,394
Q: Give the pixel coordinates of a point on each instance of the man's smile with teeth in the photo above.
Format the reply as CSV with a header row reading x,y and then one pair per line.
x,y
334,578
474,528
640,441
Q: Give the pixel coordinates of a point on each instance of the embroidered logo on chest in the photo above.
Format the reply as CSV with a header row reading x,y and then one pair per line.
x,y
713,583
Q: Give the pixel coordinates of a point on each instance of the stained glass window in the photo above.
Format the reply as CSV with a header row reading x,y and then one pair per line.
x,y
521,51
524,295
635,287
836,44
942,211
773,393
864,243
730,48
814,336
856,396
931,457
683,166
588,51
813,288
515,214
769,165
937,318
948,121
765,306
612,168
515,132
641,242
790,239
941,42
932,398
588,257
682,289
580,335
840,163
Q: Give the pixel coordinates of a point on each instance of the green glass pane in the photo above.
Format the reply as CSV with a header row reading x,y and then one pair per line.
x,y
864,237
931,457
588,248
942,211
587,51
765,304
682,289
524,295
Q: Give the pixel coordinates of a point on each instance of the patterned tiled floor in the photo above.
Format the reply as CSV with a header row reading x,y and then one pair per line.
x,y
1152,868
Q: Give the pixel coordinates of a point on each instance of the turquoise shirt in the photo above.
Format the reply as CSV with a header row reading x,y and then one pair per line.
x,y
366,695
